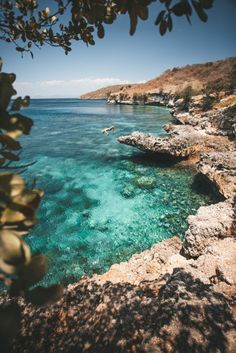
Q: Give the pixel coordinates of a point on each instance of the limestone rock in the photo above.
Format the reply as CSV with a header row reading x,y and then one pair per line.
x,y
217,121
184,141
146,266
220,169
209,224
186,304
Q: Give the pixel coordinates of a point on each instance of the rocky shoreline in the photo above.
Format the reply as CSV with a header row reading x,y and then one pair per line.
x,y
178,296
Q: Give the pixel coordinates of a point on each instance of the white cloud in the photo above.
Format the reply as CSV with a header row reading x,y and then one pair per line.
x,y
64,88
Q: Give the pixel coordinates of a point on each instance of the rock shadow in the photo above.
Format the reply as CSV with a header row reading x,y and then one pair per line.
x,y
184,315
203,186
148,159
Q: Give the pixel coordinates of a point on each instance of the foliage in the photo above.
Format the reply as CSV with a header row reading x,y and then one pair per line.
x,y
135,97
186,94
214,87
226,84
26,23
108,94
19,269
231,80
208,102
140,98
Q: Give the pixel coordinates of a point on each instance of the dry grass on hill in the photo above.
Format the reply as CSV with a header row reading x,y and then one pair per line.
x,y
172,80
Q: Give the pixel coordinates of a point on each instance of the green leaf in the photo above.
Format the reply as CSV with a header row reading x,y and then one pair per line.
x,y
30,199
34,271
44,296
16,124
163,27
20,49
10,317
142,12
91,41
9,142
26,101
133,22
16,105
10,215
10,156
207,4
101,31
11,184
6,90
178,9
160,17
14,252
200,12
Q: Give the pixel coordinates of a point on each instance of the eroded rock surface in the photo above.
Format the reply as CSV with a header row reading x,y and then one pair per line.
x,y
174,298
184,141
221,120
146,266
184,304
209,224
220,169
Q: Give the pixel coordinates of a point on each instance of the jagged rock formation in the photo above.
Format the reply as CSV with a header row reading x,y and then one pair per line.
x,y
209,224
176,297
181,306
220,169
220,121
208,137
182,142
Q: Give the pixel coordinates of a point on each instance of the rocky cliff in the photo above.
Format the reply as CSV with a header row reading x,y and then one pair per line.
x,y
177,296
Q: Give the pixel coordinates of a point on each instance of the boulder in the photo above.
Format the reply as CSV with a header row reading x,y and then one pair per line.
x,y
209,224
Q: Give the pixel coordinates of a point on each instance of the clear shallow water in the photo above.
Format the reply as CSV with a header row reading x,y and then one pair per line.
x,y
103,201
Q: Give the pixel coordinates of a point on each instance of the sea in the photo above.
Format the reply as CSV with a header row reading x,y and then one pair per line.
x,y
103,201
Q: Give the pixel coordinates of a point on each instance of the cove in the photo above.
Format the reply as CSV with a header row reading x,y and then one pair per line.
x,y
103,201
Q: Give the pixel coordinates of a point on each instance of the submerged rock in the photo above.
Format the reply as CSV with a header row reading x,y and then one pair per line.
x,y
128,191
145,182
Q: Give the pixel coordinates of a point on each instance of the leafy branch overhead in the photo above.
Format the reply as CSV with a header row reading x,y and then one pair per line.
x,y
26,24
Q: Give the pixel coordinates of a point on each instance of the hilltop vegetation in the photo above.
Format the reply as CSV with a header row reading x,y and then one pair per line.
x,y
174,80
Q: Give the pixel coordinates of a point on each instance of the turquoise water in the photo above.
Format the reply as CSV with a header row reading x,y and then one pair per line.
x,y
103,201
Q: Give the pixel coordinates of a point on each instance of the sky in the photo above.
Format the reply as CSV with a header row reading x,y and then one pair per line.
x,y
120,58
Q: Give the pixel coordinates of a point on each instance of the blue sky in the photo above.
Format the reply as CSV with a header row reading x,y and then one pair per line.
x,y
119,58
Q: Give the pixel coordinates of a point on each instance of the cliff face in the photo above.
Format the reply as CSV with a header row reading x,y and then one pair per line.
x,y
209,139
177,296
171,81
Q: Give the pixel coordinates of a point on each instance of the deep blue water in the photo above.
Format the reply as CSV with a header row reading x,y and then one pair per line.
x,y
103,201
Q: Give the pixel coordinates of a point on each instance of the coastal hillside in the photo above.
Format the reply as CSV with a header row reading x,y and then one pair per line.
x,y
103,93
172,80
